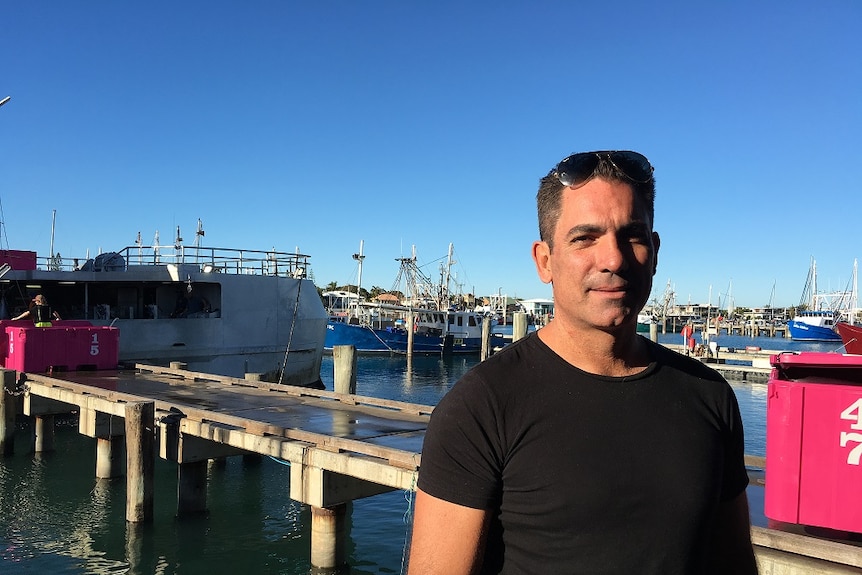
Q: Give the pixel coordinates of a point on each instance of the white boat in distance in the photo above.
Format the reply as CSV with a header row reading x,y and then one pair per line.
x,y
220,310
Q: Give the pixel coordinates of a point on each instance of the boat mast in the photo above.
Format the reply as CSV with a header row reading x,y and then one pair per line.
x,y
854,297
813,284
447,277
359,258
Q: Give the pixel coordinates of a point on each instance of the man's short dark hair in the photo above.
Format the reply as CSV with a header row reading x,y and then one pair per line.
x,y
549,197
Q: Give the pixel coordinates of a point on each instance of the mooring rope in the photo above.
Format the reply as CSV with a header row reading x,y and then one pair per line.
x,y
409,494
379,338
290,335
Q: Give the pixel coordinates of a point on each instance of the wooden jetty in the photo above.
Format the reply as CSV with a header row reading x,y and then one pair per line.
x,y
340,446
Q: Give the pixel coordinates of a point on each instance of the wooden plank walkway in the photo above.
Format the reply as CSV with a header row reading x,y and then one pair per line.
x,y
286,422
341,447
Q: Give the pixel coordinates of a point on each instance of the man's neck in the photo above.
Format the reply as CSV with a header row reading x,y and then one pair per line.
x,y
617,354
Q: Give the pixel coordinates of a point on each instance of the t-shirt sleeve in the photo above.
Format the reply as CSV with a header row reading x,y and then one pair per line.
x,y
735,474
461,453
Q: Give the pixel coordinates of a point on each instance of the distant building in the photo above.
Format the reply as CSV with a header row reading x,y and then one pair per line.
x,y
538,308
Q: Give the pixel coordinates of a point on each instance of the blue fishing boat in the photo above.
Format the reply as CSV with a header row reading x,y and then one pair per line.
x,y
433,332
813,326
822,310
440,321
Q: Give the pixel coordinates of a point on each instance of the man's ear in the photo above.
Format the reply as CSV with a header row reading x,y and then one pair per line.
x,y
542,259
656,242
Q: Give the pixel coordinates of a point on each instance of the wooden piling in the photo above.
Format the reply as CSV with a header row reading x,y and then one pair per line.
x,y
411,330
653,331
519,326
109,457
344,366
8,411
486,339
192,488
43,434
328,538
448,345
140,460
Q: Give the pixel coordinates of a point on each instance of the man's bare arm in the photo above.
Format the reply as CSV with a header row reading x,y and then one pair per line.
x,y
448,539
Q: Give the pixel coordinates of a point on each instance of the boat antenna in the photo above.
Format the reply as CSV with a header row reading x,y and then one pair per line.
x,y
53,221
178,244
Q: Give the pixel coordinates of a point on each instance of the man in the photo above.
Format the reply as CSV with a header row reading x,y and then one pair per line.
x,y
585,448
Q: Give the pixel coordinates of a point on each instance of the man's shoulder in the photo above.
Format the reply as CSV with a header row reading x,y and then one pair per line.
x,y
665,357
526,349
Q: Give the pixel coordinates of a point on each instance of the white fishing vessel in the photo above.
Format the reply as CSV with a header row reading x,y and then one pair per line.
x,y
220,310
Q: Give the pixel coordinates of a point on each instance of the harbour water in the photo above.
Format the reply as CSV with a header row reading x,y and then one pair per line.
x,y
55,517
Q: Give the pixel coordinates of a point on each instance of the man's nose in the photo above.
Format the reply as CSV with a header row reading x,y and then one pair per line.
x,y
612,254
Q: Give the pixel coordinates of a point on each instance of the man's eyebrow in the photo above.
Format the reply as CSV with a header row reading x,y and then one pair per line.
x,y
585,229
636,227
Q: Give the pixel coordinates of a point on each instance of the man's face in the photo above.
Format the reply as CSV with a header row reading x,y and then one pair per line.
x,y
603,259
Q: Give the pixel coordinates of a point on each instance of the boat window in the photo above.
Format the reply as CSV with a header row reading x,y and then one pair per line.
x,y
451,320
472,321
460,320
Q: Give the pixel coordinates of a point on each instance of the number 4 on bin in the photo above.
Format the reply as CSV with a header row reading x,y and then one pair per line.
x,y
853,413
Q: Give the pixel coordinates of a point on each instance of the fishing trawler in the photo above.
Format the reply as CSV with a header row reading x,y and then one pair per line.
x,y
440,323
820,312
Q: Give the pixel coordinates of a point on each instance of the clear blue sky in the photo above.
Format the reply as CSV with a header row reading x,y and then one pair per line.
x,y
319,124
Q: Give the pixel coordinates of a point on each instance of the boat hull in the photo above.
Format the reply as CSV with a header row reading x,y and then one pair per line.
x,y
851,337
393,340
801,331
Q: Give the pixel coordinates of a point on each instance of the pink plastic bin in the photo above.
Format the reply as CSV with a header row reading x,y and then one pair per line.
x,y
93,348
26,323
36,349
814,440
26,349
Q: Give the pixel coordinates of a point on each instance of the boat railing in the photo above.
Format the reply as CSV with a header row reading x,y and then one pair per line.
x,y
208,259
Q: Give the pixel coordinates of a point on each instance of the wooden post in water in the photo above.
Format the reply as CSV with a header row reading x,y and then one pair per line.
x,y
109,456
519,326
344,366
653,331
43,434
8,411
486,339
140,460
411,330
192,488
328,537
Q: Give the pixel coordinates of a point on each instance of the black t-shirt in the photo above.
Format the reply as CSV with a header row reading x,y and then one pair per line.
x,y
588,474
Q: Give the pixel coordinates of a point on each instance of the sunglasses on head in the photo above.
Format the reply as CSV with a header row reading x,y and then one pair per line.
x,y
578,168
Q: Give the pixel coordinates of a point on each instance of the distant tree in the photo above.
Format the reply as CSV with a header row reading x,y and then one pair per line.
x,y
375,291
